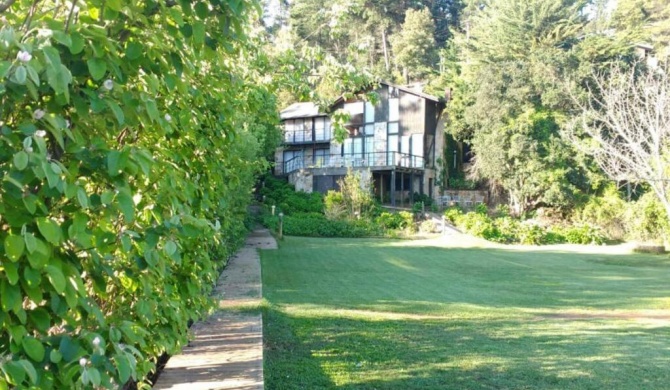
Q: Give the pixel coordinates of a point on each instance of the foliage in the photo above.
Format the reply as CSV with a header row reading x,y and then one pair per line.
x,y
283,195
317,225
583,234
509,230
428,226
607,211
329,27
356,194
334,205
131,135
646,220
624,126
459,183
414,44
509,99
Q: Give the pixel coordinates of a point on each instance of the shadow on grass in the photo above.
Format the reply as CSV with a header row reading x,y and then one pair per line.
x,y
368,314
325,352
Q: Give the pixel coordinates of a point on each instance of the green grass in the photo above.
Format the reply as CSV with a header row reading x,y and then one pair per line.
x,y
374,314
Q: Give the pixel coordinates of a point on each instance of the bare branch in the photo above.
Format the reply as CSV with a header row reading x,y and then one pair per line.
x,y
627,127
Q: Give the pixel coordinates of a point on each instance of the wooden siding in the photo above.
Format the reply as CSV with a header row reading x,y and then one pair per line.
x,y
412,114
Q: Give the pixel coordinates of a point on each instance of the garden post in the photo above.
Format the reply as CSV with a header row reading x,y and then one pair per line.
x,y
281,225
273,209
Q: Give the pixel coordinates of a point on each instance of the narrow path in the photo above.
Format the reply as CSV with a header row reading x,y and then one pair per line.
x,y
227,348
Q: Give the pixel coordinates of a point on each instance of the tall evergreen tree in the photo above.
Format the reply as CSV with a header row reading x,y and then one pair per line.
x,y
414,46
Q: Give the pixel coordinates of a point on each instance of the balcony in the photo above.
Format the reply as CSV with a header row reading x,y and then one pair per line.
x,y
369,160
296,137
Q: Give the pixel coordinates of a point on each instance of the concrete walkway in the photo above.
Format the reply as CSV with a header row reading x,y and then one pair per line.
x,y
227,348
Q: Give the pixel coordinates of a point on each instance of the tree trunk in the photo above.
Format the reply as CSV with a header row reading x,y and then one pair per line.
x,y
386,52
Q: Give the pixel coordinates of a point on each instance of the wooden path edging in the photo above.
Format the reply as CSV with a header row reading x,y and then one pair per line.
x,y
227,348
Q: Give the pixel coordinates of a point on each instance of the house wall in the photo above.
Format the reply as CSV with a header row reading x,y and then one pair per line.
x,y
412,114
302,179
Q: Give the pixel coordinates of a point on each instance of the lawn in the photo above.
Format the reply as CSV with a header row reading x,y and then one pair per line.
x,y
375,314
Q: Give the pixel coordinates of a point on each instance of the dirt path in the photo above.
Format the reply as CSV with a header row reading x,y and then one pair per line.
x,y
227,348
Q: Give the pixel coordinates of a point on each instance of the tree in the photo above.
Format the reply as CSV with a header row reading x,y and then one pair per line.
x,y
510,103
414,46
625,126
131,132
646,21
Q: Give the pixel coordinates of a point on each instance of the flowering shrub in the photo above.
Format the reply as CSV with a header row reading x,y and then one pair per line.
x,y
131,133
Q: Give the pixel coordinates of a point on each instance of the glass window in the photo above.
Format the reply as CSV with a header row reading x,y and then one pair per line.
x,y
354,108
392,149
358,146
347,146
369,151
369,130
394,109
321,157
369,112
319,129
393,128
355,111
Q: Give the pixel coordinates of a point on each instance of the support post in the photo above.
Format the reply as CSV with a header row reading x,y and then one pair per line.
x,y
280,233
402,189
393,188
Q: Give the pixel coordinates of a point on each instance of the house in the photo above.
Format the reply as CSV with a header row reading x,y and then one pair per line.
x,y
394,143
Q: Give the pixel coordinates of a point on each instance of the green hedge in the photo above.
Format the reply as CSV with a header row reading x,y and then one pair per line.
x,y
508,230
316,225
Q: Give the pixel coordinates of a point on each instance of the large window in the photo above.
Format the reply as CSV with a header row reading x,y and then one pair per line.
x,y
369,112
321,129
321,157
394,109
293,159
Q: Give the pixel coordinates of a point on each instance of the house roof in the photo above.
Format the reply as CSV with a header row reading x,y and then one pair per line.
x,y
309,109
413,92
404,89
301,110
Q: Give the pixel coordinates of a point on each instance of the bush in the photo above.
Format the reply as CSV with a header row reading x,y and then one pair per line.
x,y
607,211
317,225
453,214
334,205
583,234
428,226
646,220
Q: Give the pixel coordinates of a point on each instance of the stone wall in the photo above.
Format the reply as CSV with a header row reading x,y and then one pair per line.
x,y
302,179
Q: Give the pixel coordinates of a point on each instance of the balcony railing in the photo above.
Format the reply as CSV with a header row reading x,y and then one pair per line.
x,y
306,136
371,160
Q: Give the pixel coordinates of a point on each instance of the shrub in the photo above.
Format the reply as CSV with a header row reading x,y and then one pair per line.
x,y
529,234
583,234
508,230
453,214
388,220
428,226
646,220
407,221
479,225
334,205
607,211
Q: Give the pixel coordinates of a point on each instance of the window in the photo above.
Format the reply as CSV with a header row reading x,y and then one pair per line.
x,y
392,148
369,112
293,159
394,109
320,129
393,128
355,111
321,157
417,151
